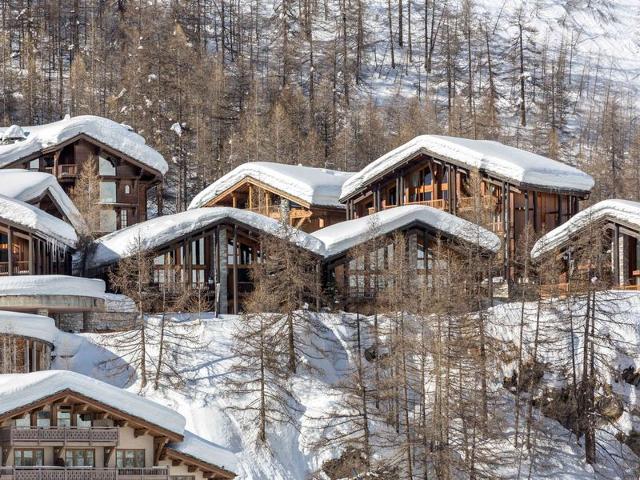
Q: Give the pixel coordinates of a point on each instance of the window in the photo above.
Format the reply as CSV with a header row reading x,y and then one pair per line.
x,y
23,457
43,419
83,420
79,457
127,189
106,167
22,422
108,220
34,165
64,417
108,192
124,218
130,458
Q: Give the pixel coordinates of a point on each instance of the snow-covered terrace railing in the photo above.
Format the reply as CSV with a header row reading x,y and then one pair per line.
x,y
495,159
29,187
31,218
313,186
623,212
340,237
117,136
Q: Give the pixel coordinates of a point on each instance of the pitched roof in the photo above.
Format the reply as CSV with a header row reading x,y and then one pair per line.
x,y
315,186
496,159
205,451
343,236
30,187
115,135
160,231
625,212
18,390
38,221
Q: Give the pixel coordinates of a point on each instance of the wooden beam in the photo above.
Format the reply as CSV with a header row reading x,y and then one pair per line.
x,y
108,453
158,448
139,432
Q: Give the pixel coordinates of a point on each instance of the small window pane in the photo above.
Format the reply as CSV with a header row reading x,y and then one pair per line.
x,y
106,167
130,458
108,192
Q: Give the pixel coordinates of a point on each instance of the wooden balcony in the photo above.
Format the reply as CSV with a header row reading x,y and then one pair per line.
x,y
19,268
58,435
83,473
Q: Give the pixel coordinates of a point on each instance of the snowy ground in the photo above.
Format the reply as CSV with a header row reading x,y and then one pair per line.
x,y
293,454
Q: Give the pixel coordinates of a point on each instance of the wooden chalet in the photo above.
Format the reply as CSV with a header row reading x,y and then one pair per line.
x,y
32,242
615,224
307,197
514,188
209,250
62,425
126,166
430,235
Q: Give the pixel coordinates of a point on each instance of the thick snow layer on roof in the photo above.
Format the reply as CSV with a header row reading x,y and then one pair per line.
x,y
52,285
623,211
345,235
115,135
205,451
30,217
494,158
12,133
21,389
159,231
31,186
28,325
316,186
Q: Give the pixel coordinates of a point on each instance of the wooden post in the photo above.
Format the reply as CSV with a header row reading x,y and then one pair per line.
x,y
616,254
10,250
31,250
235,269
507,228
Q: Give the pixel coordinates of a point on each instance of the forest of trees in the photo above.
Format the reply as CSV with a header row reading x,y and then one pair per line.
x,y
335,83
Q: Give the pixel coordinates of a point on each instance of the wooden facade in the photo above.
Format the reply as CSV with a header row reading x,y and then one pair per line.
x,y
25,252
251,194
124,182
68,435
504,206
215,262
20,354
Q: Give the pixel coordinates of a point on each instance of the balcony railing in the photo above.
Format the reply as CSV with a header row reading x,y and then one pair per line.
x,y
83,473
20,267
58,435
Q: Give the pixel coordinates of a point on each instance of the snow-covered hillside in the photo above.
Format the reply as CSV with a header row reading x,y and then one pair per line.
x,y
295,451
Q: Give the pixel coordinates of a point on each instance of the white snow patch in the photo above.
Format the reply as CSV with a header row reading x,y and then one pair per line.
x,y
52,285
207,451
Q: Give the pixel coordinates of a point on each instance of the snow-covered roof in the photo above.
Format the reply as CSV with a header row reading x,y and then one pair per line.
x,y
160,231
342,236
30,186
205,451
32,218
28,325
115,135
625,212
494,158
52,285
14,132
17,390
315,186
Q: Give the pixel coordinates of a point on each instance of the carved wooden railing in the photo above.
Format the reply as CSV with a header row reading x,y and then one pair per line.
x,y
19,267
83,473
59,435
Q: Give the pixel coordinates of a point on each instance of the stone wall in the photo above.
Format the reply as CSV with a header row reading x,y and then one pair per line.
x,y
96,321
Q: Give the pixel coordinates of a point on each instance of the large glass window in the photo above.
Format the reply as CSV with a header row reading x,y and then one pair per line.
x,y
23,457
79,457
108,192
130,458
83,420
106,167
43,419
22,422
108,220
64,417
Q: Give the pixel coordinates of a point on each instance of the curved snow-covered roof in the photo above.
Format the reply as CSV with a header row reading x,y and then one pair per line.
x,y
115,135
625,212
14,132
30,186
28,325
160,231
52,285
32,218
494,158
342,236
17,390
315,186
205,451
